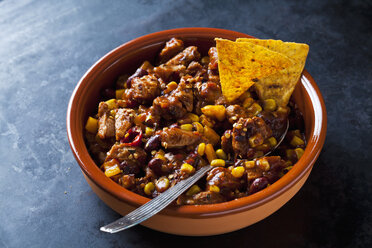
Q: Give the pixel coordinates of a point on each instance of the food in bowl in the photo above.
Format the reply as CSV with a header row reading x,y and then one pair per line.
x,y
176,114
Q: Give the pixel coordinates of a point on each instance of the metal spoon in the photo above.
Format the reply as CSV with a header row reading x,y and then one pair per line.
x,y
164,199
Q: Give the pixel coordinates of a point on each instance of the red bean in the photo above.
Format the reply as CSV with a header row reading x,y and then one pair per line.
x,y
155,165
258,184
153,143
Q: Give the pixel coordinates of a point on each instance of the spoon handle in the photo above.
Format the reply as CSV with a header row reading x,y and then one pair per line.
x,y
155,205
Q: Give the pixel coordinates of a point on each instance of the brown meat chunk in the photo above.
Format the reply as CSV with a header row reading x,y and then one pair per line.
x,y
121,152
209,92
169,107
106,124
277,122
123,121
235,112
172,47
185,57
170,72
185,94
226,141
195,69
247,134
178,138
143,90
213,58
222,178
202,198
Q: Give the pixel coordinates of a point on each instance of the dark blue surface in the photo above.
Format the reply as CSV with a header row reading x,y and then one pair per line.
x,y
46,46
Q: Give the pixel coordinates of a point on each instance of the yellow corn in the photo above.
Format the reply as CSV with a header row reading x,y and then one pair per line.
x,y
299,152
149,131
210,153
263,147
218,163
198,127
149,188
211,135
283,110
255,141
193,190
272,141
171,86
263,164
111,103
269,105
255,109
249,164
91,125
192,117
205,60
188,168
214,188
187,127
201,149
112,171
119,93
258,154
221,154
297,133
244,95
248,102
238,171
205,121
215,111
296,141
162,184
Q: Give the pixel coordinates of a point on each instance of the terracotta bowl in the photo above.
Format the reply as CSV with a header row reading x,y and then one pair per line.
x,y
188,220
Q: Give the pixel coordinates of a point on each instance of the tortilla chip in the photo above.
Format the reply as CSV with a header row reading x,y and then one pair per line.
x,y
280,86
241,64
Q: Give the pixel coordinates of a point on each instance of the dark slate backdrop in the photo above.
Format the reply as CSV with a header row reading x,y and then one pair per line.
x,y
46,46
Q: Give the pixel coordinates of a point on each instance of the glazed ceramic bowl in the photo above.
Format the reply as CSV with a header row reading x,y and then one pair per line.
x,y
188,220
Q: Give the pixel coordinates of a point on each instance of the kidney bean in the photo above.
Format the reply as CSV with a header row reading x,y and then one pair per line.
x,y
153,143
139,73
129,167
258,184
155,165
108,93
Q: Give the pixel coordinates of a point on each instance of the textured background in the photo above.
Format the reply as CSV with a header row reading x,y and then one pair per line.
x,y
46,46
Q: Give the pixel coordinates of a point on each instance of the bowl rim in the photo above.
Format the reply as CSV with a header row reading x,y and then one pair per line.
x,y
313,148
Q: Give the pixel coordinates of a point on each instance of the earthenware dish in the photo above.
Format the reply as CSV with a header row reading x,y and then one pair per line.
x,y
188,220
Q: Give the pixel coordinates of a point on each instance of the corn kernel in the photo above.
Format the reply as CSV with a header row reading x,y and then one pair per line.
x,y
258,154
249,164
188,168
297,133
119,93
149,188
283,110
149,131
299,152
238,171
187,127
221,154
272,141
201,149
199,127
162,184
296,141
111,103
192,117
218,163
288,168
248,102
210,153
214,188
193,190
263,164
205,121
263,147
91,125
255,140
215,111
171,86
205,60
211,135
112,171
255,109
269,105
